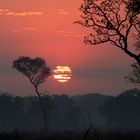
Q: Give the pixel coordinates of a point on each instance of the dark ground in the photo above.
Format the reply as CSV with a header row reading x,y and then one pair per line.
x,y
98,135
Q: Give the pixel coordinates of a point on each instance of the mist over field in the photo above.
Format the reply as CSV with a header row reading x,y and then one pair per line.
x,y
71,113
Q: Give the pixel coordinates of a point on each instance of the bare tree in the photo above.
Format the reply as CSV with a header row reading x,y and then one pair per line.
x,y
36,71
112,21
134,76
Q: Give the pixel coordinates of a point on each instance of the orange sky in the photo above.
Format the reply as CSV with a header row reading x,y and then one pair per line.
x,y
45,28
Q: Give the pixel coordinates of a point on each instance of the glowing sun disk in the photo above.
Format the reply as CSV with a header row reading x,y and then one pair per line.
x,y
62,73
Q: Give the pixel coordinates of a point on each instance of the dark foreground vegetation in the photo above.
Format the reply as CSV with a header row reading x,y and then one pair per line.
x,y
76,113
69,135
69,118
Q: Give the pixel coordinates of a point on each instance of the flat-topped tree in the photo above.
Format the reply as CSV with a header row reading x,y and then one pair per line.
x,y
36,71
112,21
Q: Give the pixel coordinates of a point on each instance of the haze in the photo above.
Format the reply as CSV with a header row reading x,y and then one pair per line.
x,y
45,28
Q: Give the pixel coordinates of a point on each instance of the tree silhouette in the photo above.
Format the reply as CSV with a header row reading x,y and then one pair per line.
x,y
36,71
112,21
134,76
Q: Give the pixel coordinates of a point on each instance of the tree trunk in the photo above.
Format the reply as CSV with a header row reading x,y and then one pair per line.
x,y
138,61
132,55
42,107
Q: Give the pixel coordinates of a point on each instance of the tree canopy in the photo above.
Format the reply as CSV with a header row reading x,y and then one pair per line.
x,y
34,69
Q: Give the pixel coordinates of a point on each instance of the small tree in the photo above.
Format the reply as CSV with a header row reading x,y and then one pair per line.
x,y
36,71
134,76
112,21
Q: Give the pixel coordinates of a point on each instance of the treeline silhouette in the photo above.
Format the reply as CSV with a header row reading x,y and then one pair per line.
x,y
75,113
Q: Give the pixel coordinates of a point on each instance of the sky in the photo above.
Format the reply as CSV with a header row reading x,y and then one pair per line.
x,y
45,28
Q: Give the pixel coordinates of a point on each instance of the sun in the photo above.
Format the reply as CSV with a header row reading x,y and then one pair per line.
x,y
62,73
